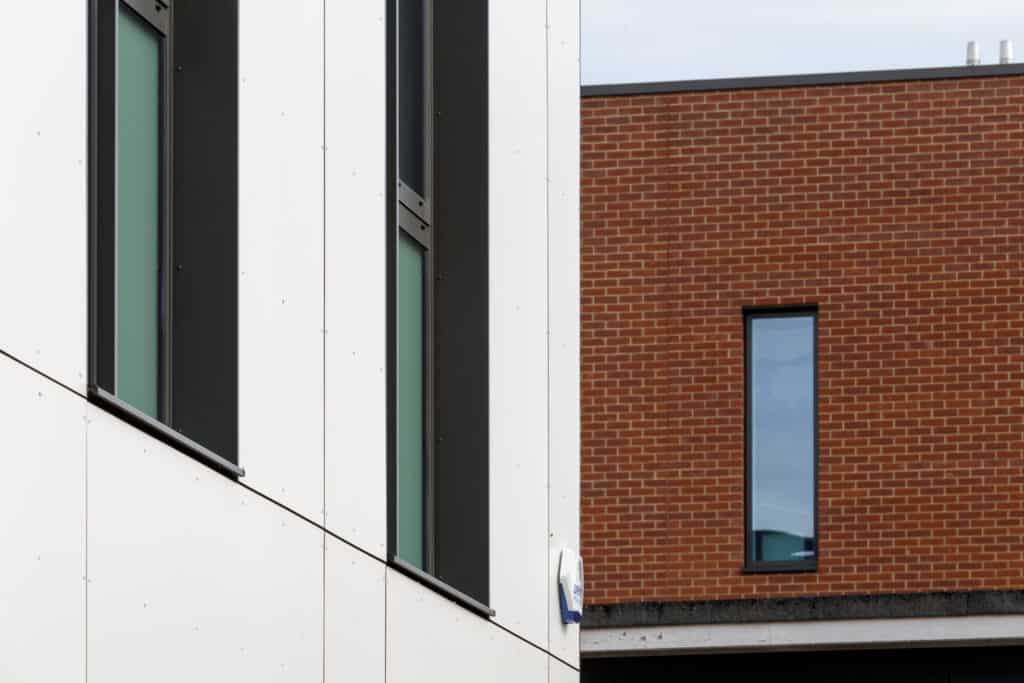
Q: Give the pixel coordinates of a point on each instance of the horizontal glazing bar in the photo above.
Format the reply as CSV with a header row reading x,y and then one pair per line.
x,y
414,227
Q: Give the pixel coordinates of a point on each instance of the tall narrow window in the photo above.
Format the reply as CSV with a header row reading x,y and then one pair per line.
x,y
781,388
415,543
412,400
438,467
163,223
141,219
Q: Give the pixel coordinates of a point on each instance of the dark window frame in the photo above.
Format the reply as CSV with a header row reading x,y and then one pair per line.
x,y
415,221
413,215
102,189
160,22
750,565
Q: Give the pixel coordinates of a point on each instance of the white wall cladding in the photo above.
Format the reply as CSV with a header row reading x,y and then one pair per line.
x,y
519,318
563,299
430,638
558,672
280,228
353,615
43,212
356,286
192,577
42,532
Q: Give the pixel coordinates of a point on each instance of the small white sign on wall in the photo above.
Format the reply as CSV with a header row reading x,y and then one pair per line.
x,y
570,586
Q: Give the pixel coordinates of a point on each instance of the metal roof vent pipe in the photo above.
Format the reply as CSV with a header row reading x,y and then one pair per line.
x,y
973,53
1006,52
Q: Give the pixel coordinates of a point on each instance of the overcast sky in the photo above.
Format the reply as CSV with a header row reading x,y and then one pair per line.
x,y
626,41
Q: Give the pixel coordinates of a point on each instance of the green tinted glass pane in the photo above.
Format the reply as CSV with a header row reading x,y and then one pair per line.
x,y
410,401
138,211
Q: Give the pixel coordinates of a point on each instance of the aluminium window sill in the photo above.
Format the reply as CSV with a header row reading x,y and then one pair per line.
x,y
439,586
159,430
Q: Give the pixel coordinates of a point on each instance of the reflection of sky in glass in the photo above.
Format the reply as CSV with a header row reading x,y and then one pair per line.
x,y
782,421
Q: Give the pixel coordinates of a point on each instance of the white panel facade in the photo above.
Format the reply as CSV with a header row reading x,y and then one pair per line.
x,y
353,615
123,558
43,183
430,638
280,233
563,299
192,577
42,536
519,318
356,286
560,672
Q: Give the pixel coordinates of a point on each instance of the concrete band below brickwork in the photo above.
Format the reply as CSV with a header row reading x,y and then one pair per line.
x,y
873,634
829,608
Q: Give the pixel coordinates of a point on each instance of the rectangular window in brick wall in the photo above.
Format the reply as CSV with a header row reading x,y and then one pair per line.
x,y
781,425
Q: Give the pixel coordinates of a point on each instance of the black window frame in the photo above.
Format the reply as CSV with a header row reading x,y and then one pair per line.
x,y
415,221
450,223
750,564
102,189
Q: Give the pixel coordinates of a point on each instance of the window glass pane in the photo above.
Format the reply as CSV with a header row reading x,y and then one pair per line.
x,y
138,212
782,437
411,47
410,401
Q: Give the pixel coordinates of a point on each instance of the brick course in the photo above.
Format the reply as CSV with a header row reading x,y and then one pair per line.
x,y
898,209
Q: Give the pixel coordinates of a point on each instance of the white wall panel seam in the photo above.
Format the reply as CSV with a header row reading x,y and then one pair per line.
x,y
563,217
144,568
44,139
519,318
547,275
262,494
85,545
28,366
398,600
522,638
355,283
324,533
44,548
309,521
560,672
323,343
280,249
323,607
282,505
354,642
242,483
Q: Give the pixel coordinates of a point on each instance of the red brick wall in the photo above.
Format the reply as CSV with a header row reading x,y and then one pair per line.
x,y
899,210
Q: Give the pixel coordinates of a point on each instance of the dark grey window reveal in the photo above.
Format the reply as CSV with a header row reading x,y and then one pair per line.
x,y
438,315
164,220
781,439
